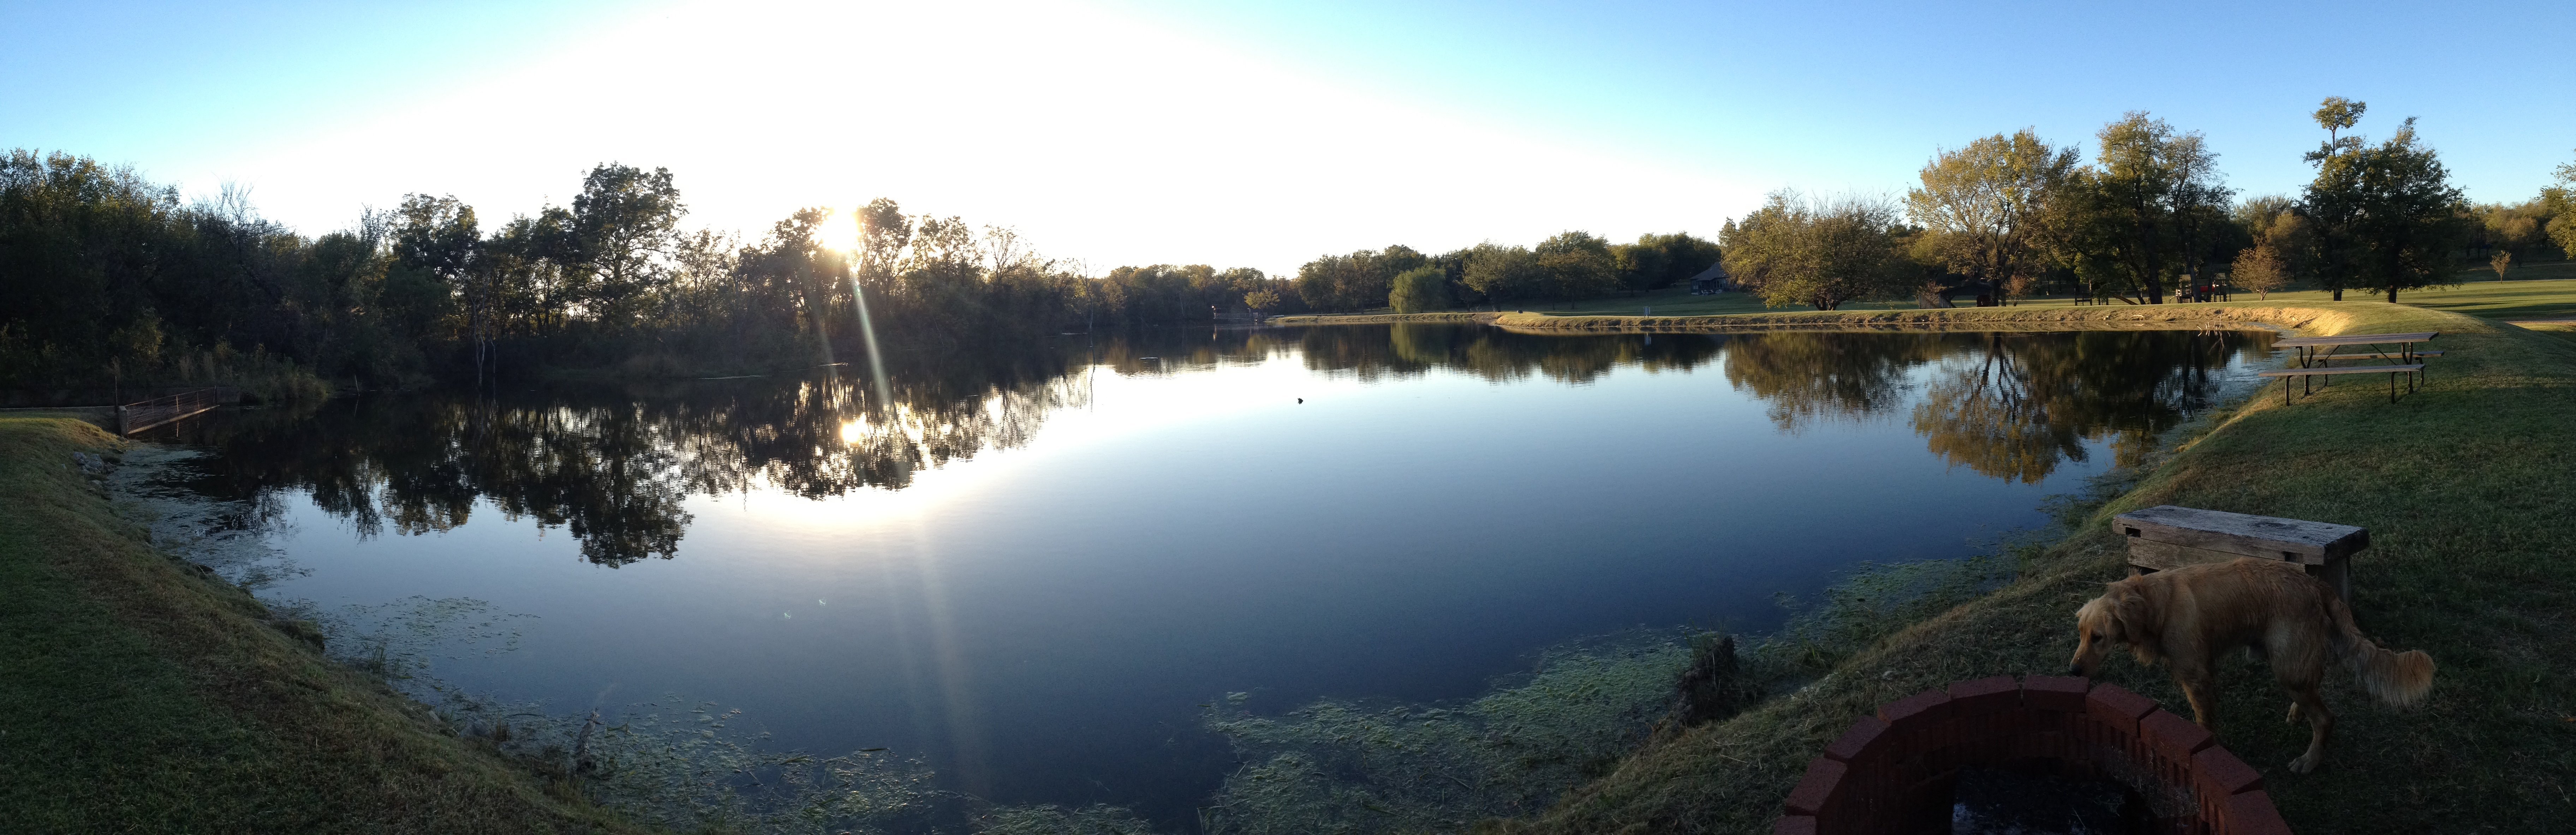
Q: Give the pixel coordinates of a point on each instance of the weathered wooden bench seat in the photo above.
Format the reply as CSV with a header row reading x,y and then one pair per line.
x,y
2172,537
2408,370
2378,355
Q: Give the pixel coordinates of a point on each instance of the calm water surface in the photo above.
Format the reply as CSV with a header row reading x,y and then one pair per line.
x,y
1034,566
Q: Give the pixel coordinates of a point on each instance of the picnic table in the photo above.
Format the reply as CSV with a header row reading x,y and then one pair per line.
x,y
2405,343
2316,356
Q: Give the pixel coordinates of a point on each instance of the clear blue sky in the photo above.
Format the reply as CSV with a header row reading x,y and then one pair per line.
x,y
1252,133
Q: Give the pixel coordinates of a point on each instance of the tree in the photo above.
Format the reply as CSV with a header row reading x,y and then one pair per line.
x,y
884,231
2338,114
1578,265
436,235
1987,204
2388,213
436,238
1359,280
1503,272
2502,261
1261,300
2562,226
2259,269
2145,210
1420,290
1657,261
1818,253
623,225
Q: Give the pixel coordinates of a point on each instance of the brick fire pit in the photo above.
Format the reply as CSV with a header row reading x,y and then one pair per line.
x,y
1894,773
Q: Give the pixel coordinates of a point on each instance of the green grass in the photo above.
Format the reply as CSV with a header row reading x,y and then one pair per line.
x,y
2561,330
137,697
2533,271
2538,290
2465,488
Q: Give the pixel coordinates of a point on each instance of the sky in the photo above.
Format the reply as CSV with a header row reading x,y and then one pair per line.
x,y
1251,134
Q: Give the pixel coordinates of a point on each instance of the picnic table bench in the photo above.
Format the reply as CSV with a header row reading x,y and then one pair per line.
x,y
2316,356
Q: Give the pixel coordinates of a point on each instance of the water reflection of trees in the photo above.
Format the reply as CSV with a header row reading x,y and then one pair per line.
x,y
1400,351
615,465
2007,405
1495,354
1803,378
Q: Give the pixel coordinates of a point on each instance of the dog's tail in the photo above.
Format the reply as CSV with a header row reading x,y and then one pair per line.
x,y
2396,678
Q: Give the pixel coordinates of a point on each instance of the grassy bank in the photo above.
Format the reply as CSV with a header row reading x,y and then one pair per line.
x,y
2465,489
139,696
2539,290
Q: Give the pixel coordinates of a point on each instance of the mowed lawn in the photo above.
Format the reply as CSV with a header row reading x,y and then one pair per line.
x,y
2540,290
2467,490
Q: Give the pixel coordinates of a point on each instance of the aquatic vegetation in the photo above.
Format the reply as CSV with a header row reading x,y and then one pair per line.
x,y
1871,602
696,766
399,641
1097,819
1337,766
230,538
1341,767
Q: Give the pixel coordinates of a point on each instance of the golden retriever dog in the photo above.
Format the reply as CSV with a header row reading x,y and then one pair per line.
x,y
2186,617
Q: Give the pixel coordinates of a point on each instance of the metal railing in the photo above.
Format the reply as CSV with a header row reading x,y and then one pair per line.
x,y
136,417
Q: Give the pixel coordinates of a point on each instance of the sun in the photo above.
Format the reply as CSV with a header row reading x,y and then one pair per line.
x,y
840,231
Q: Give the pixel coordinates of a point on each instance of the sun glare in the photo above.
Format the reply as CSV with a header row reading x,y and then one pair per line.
x,y
840,232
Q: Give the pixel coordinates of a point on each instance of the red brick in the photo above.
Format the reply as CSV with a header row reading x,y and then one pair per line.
x,y
1819,788
1929,706
2064,694
2251,813
1857,740
1985,695
2115,706
2221,773
2173,737
1795,825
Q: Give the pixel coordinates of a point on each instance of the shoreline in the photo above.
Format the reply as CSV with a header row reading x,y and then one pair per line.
x,y
2455,569
144,694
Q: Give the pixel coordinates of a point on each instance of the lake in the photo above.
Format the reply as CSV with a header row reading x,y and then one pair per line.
x,y
1030,568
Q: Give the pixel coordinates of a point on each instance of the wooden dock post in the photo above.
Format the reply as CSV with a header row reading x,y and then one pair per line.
x,y
2171,537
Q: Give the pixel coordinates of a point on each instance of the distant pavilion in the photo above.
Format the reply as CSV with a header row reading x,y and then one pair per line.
x,y
1712,281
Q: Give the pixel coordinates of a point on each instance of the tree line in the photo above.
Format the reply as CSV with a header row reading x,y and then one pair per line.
x,y
108,275
1567,266
2010,215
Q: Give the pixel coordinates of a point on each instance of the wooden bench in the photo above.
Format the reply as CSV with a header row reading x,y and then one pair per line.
x,y
2172,537
2408,370
2378,355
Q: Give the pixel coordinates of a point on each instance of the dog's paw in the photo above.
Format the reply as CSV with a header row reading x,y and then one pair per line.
x,y
2306,762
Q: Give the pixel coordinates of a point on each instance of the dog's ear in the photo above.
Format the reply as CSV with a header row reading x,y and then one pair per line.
x,y
2130,609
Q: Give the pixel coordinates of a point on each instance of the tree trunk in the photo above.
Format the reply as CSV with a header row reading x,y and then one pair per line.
x,y
2338,294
